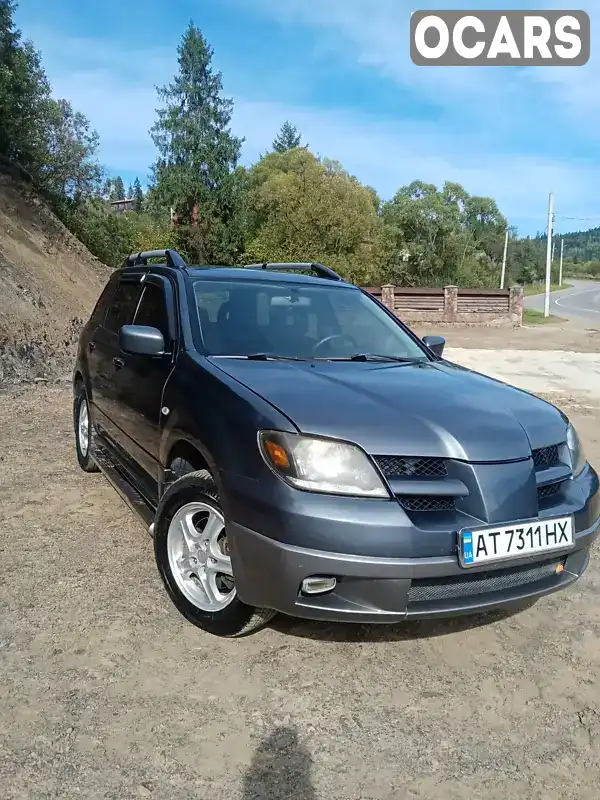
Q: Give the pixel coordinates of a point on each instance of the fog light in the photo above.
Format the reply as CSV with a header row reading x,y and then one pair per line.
x,y
318,585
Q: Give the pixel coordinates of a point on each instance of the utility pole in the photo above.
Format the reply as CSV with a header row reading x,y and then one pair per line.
x,y
549,254
562,247
504,260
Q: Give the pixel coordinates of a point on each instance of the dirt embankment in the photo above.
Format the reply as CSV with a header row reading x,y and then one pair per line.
x,y
50,283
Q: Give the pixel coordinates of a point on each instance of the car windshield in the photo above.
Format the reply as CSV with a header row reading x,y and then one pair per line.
x,y
264,319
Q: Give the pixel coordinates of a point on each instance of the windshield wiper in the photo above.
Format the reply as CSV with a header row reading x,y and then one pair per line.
x,y
378,357
272,357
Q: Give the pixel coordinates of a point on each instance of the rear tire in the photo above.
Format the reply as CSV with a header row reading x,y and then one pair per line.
x,y
83,430
190,548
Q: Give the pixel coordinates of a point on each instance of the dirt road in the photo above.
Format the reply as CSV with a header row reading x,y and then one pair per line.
x,y
105,692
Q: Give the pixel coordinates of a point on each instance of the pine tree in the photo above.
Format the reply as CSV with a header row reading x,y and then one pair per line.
x,y
117,189
288,138
130,192
137,194
196,169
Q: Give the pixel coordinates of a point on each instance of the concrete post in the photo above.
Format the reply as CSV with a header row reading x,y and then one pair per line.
x,y
387,296
450,303
515,305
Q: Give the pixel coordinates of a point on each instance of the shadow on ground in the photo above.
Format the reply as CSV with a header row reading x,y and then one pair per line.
x,y
425,629
280,769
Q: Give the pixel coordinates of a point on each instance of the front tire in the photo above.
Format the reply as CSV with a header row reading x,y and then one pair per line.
x,y
191,552
83,430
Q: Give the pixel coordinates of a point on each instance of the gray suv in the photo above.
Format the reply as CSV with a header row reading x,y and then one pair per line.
x,y
293,447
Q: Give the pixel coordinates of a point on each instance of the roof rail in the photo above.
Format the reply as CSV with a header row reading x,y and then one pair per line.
x,y
173,259
281,266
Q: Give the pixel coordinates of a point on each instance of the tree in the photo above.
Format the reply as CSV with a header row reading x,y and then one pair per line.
x,y
195,172
23,88
129,194
67,166
287,139
301,208
117,189
137,194
438,237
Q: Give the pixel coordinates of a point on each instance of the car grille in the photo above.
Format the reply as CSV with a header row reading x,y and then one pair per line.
x,y
545,457
410,467
430,589
552,489
419,502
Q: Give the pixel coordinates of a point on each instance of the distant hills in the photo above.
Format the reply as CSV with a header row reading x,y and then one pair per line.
x,y
580,246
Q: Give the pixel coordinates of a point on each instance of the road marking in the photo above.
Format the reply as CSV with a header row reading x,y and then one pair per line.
x,y
576,294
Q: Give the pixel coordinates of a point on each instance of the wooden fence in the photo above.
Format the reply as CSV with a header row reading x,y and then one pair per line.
x,y
452,305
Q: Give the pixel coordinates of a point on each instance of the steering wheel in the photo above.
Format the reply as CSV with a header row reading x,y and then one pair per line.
x,y
333,337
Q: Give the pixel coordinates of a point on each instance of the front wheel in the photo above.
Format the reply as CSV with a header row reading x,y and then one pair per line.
x,y
192,556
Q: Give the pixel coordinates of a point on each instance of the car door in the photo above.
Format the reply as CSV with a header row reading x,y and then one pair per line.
x,y
140,380
94,360
106,352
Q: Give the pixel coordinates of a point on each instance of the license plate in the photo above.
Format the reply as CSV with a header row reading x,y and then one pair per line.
x,y
504,542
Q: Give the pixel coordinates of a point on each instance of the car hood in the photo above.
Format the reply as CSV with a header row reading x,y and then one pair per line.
x,y
436,409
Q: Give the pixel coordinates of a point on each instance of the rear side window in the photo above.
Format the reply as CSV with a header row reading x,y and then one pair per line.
x,y
152,310
123,307
99,312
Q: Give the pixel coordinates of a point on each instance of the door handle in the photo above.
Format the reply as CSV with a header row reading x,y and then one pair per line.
x,y
118,362
91,345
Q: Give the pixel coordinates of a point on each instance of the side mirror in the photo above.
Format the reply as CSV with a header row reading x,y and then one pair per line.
x,y
141,340
435,344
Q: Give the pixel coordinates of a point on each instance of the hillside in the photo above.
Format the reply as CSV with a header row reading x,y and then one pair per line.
x,y
579,245
49,280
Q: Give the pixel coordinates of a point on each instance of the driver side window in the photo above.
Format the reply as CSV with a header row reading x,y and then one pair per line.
x,y
152,310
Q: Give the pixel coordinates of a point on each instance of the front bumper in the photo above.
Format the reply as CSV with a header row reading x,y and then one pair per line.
x,y
269,573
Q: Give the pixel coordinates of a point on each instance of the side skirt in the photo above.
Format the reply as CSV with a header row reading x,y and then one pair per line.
x,y
126,490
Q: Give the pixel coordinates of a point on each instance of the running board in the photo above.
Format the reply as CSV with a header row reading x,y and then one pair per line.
x,y
128,493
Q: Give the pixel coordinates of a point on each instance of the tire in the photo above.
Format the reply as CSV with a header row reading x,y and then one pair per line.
x,y
189,504
83,430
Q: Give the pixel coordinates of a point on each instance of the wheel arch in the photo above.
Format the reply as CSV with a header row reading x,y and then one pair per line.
x,y
183,448
194,453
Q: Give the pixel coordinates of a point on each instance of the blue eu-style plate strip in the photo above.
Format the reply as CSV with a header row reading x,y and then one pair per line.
x,y
467,547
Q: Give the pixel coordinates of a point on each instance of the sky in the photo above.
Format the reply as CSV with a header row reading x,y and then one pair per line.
x,y
339,70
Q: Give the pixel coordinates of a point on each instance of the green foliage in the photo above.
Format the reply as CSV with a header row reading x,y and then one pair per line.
x,y
137,194
299,208
110,237
437,238
287,139
24,90
582,269
118,189
67,165
580,246
195,172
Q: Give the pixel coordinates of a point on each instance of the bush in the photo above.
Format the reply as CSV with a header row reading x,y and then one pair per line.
x,y
111,237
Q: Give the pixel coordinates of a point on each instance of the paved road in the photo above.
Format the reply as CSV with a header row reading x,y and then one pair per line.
x,y
580,302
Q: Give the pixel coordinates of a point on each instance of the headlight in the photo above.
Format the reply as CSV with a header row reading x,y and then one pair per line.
x,y
320,465
578,460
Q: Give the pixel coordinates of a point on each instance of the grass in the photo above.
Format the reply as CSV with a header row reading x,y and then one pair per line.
x,y
533,317
540,288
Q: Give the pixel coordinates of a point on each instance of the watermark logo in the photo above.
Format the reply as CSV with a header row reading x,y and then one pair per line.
x,y
501,38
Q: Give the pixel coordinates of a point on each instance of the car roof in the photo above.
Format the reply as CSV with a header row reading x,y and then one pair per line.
x,y
245,274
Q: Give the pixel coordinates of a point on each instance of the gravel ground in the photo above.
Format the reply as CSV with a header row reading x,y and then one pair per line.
x,y
564,335
106,692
